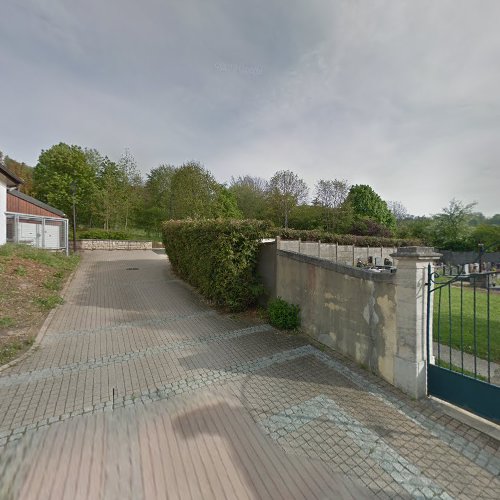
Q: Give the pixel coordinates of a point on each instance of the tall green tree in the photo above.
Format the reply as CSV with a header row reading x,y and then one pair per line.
x,y
157,200
62,175
196,194
286,190
250,194
133,188
450,229
330,195
365,202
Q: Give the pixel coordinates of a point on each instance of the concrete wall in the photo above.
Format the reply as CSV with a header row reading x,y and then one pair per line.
x,y
377,319
460,258
113,245
344,254
266,270
349,309
3,209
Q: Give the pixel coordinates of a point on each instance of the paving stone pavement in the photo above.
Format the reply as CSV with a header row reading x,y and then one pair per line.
x,y
132,346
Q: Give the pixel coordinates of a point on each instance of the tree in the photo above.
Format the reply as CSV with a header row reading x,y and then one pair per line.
x,y
21,170
366,202
250,194
133,188
157,199
489,236
196,194
399,211
330,194
111,193
285,191
225,204
306,217
60,170
450,229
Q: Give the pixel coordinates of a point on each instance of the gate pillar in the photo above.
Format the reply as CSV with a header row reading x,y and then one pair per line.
x,y
411,308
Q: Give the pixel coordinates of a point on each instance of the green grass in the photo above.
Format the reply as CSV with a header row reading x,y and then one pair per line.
x,y
55,260
13,349
462,318
458,369
47,303
20,271
6,322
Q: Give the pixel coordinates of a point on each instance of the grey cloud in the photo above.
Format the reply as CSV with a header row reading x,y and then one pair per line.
x,y
369,91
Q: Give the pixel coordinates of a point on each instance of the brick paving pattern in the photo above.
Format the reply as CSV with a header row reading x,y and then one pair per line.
x,y
140,390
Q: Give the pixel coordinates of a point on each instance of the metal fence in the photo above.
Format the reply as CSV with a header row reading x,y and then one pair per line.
x,y
464,325
50,233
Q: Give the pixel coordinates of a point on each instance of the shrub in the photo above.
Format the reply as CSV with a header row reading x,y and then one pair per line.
x,y
102,234
283,315
342,239
218,257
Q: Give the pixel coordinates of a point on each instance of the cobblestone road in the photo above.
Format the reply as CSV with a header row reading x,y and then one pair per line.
x,y
140,390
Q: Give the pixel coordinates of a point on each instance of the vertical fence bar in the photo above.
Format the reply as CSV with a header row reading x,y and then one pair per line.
x,y
488,324
462,324
449,322
428,318
475,329
439,326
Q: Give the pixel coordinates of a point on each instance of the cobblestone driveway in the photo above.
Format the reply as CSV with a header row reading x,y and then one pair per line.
x,y
135,375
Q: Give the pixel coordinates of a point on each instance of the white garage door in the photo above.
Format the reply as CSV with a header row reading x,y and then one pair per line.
x,y
31,233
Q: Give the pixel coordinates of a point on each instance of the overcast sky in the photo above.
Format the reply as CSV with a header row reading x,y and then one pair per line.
x,y
401,95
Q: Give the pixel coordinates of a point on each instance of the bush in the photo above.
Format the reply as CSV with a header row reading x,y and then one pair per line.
x,y
102,234
342,239
283,315
218,257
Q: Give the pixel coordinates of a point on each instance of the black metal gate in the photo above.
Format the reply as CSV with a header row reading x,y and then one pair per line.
x,y
463,362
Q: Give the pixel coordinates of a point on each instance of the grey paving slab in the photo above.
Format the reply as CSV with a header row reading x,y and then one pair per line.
x,y
140,390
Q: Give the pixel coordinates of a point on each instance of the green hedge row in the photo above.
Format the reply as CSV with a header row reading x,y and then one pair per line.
x,y
101,234
218,257
342,239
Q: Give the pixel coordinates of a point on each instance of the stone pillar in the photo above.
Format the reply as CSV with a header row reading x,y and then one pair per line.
x,y
411,310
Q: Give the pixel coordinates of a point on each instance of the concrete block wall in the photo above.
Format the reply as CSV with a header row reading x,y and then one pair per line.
x,y
344,254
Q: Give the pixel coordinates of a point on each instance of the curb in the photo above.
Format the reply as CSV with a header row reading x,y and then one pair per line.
x,y
472,420
43,329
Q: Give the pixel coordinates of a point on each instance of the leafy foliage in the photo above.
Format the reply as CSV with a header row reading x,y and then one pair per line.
x,y
283,315
62,172
489,236
21,170
342,239
330,195
450,229
250,194
285,191
102,234
367,203
218,257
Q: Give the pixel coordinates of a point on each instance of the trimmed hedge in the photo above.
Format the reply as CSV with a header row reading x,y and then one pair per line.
x,y
101,234
342,239
218,257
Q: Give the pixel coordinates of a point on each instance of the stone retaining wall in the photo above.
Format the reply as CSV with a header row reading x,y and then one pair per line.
x,y
113,245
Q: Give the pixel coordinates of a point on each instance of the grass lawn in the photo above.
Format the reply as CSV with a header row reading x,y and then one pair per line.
x,y
465,316
31,280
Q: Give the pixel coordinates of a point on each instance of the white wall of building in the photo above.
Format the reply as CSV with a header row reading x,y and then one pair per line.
x,y
3,209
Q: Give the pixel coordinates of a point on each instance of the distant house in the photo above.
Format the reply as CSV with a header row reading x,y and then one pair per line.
x,y
24,219
7,180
